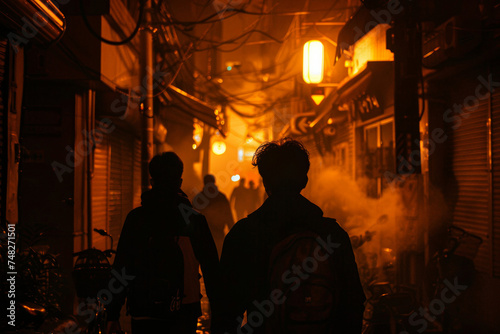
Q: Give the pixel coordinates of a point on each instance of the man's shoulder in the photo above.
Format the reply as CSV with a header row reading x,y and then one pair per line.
x,y
243,229
242,225
333,224
222,196
136,213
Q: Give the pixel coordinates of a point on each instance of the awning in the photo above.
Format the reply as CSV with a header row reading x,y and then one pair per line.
x,y
377,78
192,106
358,25
355,86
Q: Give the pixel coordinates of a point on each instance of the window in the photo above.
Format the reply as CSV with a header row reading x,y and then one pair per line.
x,y
377,156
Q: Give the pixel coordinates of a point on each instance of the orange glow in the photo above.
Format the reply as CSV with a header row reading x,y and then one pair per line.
x,y
47,11
317,98
371,47
197,133
313,62
218,147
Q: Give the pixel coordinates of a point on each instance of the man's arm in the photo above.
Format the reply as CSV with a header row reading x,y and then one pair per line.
x,y
206,253
123,262
236,273
352,297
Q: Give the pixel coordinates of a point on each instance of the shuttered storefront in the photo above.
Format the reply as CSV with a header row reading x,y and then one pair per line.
x,y
100,190
137,174
495,141
470,166
3,128
115,183
121,180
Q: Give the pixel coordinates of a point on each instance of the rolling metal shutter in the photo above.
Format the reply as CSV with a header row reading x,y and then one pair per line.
x,y
121,180
100,190
137,174
3,128
470,169
116,184
495,141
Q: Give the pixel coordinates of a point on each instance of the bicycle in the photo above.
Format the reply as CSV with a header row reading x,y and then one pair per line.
x,y
453,264
391,308
91,274
38,283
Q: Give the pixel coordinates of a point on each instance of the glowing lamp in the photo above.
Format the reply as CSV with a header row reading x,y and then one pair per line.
x,y
235,178
313,62
218,147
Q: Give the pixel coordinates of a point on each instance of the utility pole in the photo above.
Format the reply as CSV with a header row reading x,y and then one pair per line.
x,y
146,75
407,71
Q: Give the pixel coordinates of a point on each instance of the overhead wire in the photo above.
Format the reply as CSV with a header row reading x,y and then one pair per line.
x,y
184,55
107,41
262,113
221,92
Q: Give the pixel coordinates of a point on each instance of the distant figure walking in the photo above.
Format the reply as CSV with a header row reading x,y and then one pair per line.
x,y
253,197
162,245
214,205
239,200
291,269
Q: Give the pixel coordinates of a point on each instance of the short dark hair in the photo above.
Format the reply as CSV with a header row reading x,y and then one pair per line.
x,y
209,178
283,164
166,169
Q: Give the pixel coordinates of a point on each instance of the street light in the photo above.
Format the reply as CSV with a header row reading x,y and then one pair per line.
x,y
313,62
218,147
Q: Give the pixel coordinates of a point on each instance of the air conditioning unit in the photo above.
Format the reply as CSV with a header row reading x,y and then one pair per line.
x,y
452,39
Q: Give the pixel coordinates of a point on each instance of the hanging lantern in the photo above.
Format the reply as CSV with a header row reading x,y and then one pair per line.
x,y
313,62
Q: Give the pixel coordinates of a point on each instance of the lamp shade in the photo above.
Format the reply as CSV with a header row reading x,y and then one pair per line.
x,y
313,62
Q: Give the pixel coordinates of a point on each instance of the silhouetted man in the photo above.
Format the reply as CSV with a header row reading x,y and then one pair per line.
x,y
291,269
239,199
253,197
162,245
214,205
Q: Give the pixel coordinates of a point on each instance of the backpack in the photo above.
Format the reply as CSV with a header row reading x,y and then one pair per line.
x,y
310,302
158,288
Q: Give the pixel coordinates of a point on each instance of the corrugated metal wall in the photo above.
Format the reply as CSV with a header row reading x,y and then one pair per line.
x,y
116,183
137,174
470,167
3,127
100,189
495,141
121,180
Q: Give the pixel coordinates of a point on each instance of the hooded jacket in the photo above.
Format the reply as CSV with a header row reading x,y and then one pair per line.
x,y
246,253
167,212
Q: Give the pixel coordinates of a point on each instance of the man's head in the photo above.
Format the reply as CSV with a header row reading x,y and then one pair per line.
x,y
166,170
209,178
283,165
